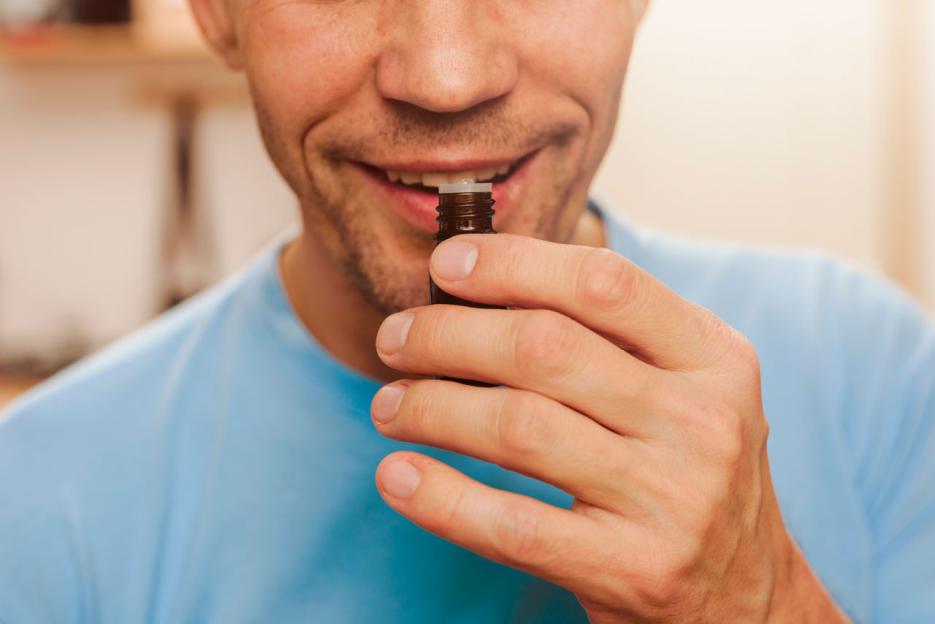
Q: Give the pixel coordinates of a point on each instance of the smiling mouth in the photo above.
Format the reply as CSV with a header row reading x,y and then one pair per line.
x,y
430,181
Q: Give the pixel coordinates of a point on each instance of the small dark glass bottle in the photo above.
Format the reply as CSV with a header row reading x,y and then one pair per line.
x,y
463,208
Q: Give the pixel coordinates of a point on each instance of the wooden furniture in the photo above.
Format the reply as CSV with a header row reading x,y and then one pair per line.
x,y
11,387
63,44
174,71
169,69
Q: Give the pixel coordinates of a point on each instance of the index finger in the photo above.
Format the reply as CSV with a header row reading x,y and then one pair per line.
x,y
597,287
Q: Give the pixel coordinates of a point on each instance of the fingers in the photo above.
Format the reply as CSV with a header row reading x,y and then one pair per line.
x,y
556,544
599,288
535,350
516,429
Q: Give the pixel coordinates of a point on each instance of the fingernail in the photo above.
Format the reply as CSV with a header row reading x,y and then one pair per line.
x,y
385,404
393,332
400,479
454,260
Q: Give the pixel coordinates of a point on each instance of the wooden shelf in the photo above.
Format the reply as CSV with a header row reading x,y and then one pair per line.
x,y
92,45
175,65
11,387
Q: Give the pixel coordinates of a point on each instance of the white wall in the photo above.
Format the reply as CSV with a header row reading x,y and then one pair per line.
x,y
755,120
240,190
81,176
84,186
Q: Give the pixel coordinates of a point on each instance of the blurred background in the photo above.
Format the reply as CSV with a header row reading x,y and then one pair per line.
x,y
132,174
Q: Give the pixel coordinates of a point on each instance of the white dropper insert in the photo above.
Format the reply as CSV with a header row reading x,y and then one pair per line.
x,y
465,186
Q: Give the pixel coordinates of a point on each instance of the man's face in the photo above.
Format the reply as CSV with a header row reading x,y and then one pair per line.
x,y
364,105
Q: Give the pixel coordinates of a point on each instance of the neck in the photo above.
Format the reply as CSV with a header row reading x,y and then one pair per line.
x,y
338,316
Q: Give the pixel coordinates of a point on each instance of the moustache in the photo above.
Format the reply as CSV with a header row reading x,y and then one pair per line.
x,y
488,127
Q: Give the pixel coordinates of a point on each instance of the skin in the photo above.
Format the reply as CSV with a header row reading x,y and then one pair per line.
x,y
643,406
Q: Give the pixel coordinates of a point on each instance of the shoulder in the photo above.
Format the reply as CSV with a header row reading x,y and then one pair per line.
x,y
82,461
112,401
125,372
88,458
765,292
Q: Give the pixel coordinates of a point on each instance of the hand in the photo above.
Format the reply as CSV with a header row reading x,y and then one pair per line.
x,y
643,406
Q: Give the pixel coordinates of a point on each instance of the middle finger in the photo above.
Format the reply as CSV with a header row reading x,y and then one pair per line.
x,y
537,350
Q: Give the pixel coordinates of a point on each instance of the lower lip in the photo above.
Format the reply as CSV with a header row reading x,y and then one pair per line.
x,y
418,207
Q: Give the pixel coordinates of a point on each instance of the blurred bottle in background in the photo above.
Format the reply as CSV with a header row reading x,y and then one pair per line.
x,y
99,11
24,14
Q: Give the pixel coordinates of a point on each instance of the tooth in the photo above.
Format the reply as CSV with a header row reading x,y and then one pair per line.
x,y
392,176
466,175
435,179
505,169
410,178
486,174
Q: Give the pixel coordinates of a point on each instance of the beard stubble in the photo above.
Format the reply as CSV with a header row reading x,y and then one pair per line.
x,y
385,260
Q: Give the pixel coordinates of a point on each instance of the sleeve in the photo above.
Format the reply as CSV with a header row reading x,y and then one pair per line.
x,y
892,394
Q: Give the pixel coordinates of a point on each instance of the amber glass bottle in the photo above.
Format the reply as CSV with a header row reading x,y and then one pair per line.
x,y
463,208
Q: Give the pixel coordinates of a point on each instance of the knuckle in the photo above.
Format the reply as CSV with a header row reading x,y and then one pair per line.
x,y
666,580
716,335
447,517
718,428
418,408
517,535
522,428
728,450
738,350
544,343
515,255
678,406
733,432
723,431
434,329
743,354
606,280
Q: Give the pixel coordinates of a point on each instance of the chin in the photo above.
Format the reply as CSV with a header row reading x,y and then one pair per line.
x,y
392,277
390,297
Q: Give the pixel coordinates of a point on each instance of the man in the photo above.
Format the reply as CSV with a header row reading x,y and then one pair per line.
x,y
217,466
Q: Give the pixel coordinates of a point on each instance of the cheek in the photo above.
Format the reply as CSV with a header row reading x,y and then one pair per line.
x,y
585,56
303,62
586,51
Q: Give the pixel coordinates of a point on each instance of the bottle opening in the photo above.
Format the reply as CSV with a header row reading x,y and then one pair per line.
x,y
465,186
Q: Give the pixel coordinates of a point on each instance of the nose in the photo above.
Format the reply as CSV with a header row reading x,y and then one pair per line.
x,y
445,56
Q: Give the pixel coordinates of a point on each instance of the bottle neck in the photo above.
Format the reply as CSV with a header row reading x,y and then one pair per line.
x,y
464,213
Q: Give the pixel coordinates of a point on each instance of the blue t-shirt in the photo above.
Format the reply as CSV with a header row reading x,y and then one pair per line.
x,y
217,466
